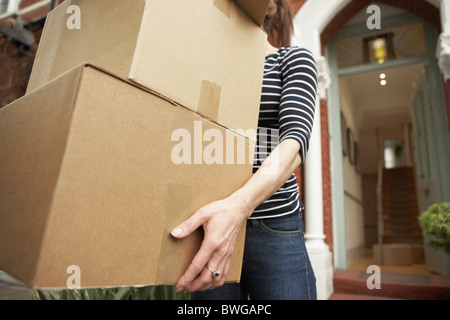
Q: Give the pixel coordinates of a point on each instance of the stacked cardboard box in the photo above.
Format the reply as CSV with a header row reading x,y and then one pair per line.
x,y
129,125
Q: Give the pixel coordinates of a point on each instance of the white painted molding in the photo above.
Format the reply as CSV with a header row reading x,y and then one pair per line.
x,y
13,8
443,55
324,77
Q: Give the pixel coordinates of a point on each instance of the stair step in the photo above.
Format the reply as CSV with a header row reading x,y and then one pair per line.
x,y
393,286
349,296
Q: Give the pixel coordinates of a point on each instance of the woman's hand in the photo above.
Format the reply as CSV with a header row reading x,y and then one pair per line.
x,y
221,221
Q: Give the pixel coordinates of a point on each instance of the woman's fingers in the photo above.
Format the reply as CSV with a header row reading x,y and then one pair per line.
x,y
196,267
207,280
220,262
221,224
189,226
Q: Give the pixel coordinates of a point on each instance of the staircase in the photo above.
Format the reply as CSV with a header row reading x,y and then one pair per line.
x,y
400,206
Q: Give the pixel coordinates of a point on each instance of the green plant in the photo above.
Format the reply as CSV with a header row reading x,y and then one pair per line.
x,y
142,293
435,222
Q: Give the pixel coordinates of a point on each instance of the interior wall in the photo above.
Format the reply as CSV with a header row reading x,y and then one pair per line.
x,y
353,195
369,182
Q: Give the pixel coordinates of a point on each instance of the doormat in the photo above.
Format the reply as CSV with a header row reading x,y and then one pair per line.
x,y
400,277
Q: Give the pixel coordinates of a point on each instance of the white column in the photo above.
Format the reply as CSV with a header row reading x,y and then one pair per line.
x,y
319,253
308,24
313,189
445,16
313,168
443,48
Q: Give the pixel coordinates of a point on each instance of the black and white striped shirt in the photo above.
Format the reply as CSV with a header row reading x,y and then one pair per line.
x,y
287,112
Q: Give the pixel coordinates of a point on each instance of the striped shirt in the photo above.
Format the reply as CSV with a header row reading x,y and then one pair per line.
x,y
287,109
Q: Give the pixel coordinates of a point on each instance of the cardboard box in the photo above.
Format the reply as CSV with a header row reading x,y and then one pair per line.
x,y
89,178
207,55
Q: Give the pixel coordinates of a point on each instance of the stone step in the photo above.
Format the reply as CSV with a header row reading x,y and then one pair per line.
x,y
353,285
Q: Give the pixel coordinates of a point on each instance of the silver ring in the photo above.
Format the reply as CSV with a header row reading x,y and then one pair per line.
x,y
215,274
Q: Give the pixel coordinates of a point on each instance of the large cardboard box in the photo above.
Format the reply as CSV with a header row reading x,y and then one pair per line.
x,y
90,177
207,55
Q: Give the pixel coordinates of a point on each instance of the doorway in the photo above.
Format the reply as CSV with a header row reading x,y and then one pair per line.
x,y
374,115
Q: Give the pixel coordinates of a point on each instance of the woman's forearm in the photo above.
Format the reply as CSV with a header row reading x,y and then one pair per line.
x,y
272,174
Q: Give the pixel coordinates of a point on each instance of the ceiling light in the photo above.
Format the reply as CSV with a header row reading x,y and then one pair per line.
x,y
378,49
383,76
383,82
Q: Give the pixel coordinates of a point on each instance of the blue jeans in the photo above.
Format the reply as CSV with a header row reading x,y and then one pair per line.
x,y
276,265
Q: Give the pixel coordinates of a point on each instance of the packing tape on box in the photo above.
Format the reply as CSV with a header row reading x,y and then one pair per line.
x,y
209,100
178,205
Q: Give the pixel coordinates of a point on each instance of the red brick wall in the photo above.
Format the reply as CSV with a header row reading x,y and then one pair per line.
x,y
296,5
300,182
326,175
14,69
15,65
35,14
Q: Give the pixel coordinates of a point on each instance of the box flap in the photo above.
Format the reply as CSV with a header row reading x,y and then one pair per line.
x,y
254,9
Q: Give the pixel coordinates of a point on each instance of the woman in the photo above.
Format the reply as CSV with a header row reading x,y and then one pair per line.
x,y
276,265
